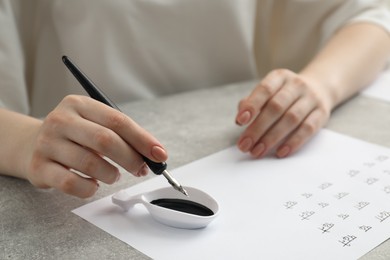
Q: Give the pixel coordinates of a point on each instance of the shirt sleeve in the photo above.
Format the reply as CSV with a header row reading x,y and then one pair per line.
x,y
13,92
354,11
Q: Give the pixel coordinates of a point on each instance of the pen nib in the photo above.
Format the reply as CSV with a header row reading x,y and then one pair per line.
x,y
182,190
175,184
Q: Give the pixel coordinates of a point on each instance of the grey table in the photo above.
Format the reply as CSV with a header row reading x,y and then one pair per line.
x,y
38,224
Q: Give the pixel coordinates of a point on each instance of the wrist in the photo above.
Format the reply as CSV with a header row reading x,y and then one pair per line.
x,y
17,136
326,90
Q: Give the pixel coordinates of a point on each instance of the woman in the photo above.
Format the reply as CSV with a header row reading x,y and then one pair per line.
x,y
310,56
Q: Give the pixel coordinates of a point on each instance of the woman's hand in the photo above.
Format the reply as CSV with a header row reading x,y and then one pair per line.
x,y
284,111
76,136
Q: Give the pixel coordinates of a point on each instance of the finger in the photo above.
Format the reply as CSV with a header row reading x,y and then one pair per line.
x,y
104,141
82,160
251,106
101,140
310,126
293,117
272,112
134,135
107,143
63,179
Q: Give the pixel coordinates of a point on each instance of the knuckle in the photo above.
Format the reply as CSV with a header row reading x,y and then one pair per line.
x,y
73,100
104,140
309,128
34,170
68,184
89,164
35,165
42,143
55,122
293,118
322,110
280,72
298,82
266,89
116,120
55,119
276,106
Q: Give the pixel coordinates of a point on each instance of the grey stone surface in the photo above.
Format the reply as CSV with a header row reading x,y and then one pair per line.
x,y
39,224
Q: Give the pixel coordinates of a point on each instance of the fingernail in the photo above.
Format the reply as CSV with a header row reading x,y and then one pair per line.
x,y
258,150
118,177
244,118
159,153
246,144
144,171
283,152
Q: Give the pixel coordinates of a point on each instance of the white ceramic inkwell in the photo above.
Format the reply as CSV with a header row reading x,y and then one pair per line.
x,y
172,208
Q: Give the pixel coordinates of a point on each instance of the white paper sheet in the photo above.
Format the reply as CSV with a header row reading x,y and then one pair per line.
x,y
328,201
380,88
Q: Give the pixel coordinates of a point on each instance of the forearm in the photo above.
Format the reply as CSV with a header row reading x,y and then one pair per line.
x,y
15,137
351,59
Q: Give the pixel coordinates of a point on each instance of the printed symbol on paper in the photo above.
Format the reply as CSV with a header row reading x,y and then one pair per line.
x,y
382,216
346,240
362,205
387,189
290,204
382,158
365,228
326,227
343,216
341,195
371,181
353,173
307,195
325,185
323,204
306,215
369,164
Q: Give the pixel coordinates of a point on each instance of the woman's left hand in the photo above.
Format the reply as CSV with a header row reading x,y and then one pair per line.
x,y
283,112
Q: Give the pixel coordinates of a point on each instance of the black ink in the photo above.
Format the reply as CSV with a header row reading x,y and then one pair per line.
x,y
306,215
353,173
382,158
186,206
341,195
325,185
290,204
323,204
343,216
346,240
371,181
365,228
369,164
382,216
326,227
307,195
362,205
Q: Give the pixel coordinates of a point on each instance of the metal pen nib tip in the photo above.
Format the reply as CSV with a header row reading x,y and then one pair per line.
x,y
175,184
182,190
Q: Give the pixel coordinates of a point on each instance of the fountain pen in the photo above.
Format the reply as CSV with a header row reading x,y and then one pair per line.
x,y
94,92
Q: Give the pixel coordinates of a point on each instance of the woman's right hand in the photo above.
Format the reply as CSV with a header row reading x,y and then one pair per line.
x,y
76,136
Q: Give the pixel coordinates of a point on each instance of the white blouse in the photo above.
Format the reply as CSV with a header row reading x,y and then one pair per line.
x,y
146,48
